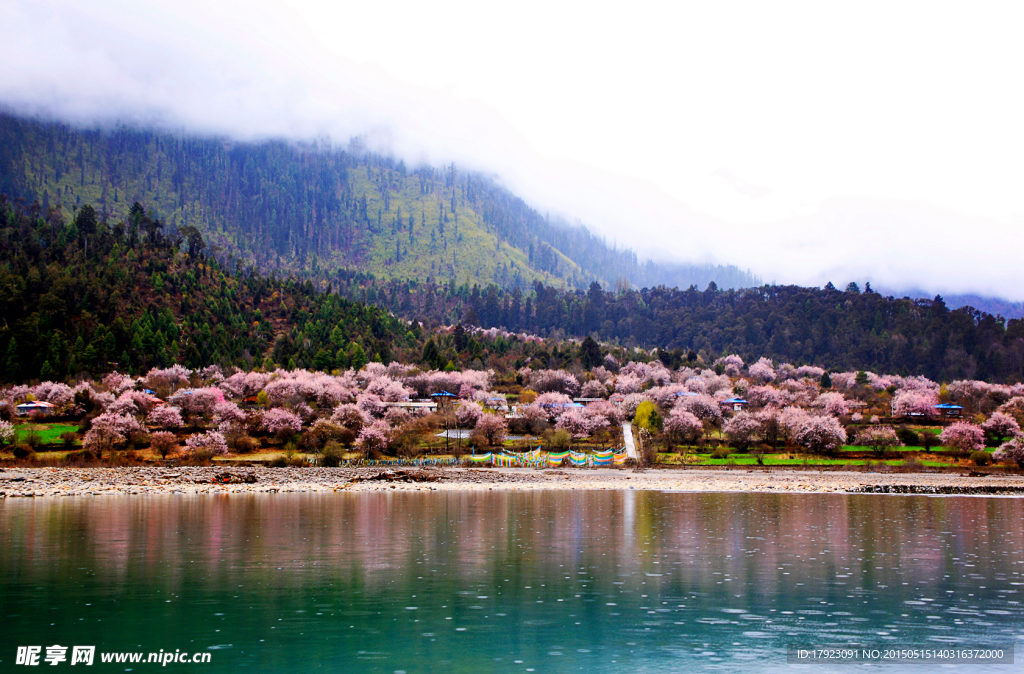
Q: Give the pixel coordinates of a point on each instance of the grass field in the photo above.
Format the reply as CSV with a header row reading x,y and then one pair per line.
x,y
49,434
770,460
938,449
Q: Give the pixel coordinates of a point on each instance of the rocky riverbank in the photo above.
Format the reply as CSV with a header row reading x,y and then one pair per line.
x,y
56,482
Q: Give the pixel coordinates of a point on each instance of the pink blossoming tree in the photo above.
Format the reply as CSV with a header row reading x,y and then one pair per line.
x,y
821,435
833,403
350,416
762,371
492,427
914,402
683,427
374,438
1011,451
579,424
210,442
731,364
742,430
467,414
197,403
593,389
165,416
879,438
163,443
1002,425
963,437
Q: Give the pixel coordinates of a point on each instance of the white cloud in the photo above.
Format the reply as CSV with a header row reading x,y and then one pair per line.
x,y
804,140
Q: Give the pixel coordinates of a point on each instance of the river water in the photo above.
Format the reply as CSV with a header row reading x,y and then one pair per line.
x,y
545,581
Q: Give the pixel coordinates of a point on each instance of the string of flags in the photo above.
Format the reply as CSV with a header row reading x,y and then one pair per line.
x,y
539,458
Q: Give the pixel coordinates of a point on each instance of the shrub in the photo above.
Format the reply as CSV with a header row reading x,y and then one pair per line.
x,y
557,440
32,439
332,454
759,452
246,444
320,433
908,437
68,439
347,437
403,442
721,453
913,465
477,439
163,443
23,451
83,456
981,458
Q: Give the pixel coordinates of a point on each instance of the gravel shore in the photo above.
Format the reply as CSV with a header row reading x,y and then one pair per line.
x,y
53,482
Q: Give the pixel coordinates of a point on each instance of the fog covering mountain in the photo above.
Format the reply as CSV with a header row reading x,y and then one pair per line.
x,y
318,208
996,306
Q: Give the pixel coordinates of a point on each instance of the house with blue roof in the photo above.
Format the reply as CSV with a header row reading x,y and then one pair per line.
x,y
734,404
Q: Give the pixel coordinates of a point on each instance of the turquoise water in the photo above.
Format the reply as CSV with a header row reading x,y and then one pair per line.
x,y
604,581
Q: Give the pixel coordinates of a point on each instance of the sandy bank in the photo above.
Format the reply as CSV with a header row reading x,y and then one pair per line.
x,y
55,482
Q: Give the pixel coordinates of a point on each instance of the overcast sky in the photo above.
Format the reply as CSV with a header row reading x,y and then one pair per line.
x,y
866,141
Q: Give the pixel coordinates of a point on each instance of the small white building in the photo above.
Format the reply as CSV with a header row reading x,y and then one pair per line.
x,y
411,405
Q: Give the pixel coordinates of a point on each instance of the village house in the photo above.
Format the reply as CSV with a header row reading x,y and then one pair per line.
x,y
734,404
37,406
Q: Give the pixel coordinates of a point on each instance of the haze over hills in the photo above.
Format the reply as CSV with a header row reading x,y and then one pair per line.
x,y
318,208
996,306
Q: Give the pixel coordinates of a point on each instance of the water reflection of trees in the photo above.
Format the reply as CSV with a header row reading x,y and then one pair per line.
x,y
686,542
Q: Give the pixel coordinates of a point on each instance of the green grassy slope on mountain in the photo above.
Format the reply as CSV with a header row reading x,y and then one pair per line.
x,y
316,209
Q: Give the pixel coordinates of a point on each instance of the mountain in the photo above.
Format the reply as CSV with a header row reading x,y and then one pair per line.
x,y
836,329
316,209
82,297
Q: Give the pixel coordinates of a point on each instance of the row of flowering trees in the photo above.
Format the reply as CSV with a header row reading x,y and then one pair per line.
x,y
802,406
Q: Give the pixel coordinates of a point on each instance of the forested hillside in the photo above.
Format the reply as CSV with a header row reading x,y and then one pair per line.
x,y
838,329
192,277
85,297
318,209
